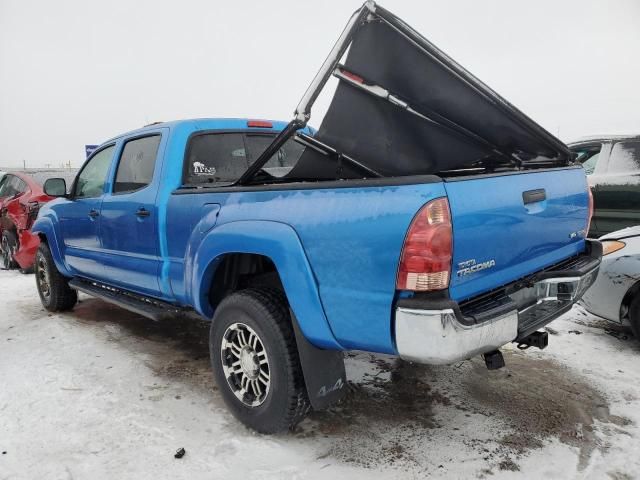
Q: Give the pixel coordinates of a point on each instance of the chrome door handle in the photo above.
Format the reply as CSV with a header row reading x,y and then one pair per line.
x,y
143,212
93,213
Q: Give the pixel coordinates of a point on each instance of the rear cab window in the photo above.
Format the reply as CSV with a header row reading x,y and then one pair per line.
x,y
222,158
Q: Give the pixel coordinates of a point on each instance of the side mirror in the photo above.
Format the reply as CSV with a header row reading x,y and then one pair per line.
x,y
55,187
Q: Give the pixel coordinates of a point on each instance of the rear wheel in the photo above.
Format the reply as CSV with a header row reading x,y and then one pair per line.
x,y
8,247
53,287
255,360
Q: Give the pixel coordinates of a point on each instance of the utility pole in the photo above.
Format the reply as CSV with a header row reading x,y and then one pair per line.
x,y
24,164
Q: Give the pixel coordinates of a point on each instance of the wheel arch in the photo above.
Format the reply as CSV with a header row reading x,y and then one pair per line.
x,y
44,228
279,244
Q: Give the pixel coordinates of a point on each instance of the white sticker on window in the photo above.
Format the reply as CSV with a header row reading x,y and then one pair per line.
x,y
200,168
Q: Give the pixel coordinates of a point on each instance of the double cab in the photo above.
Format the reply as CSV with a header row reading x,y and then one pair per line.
x,y
426,218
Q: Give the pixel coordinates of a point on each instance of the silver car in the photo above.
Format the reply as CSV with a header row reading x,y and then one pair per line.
x,y
615,295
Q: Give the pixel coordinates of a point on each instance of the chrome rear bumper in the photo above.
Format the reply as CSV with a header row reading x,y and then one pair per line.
x,y
437,337
445,335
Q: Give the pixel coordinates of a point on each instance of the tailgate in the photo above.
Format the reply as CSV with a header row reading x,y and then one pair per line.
x,y
508,226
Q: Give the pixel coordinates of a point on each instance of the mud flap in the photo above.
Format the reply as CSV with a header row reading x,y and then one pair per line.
x,y
323,370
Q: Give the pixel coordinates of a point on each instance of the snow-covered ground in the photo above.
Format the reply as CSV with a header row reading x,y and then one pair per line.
x,y
100,393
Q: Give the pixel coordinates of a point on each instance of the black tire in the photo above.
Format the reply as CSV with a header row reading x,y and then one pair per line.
x,y
263,312
53,287
8,245
634,316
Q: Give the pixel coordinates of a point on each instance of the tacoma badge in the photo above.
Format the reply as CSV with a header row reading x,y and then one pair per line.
x,y
471,266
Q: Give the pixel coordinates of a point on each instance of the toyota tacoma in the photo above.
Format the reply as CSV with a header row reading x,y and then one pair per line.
x,y
426,218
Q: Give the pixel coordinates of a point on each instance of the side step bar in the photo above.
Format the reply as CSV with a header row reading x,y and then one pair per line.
x,y
150,308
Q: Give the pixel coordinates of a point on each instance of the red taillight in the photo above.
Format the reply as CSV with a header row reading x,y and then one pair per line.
x,y
425,263
259,124
590,214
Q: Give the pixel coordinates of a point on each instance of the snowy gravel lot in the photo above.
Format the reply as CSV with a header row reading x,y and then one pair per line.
x,y
100,393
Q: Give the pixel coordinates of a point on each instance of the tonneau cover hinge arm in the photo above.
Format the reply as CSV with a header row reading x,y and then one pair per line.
x,y
303,110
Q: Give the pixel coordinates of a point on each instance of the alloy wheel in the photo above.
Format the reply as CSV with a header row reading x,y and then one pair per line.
x,y
42,276
245,364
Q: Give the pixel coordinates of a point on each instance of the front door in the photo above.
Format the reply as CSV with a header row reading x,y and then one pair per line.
x,y
129,228
80,216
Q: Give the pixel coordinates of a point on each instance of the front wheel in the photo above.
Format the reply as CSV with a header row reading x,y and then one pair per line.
x,y
255,360
53,287
8,247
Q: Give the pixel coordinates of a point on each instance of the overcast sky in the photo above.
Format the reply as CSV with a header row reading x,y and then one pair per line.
x,y
76,72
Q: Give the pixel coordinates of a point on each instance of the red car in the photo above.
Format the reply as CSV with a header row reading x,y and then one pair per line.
x,y
21,196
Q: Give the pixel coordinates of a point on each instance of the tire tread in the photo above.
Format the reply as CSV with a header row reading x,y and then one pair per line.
x,y
62,297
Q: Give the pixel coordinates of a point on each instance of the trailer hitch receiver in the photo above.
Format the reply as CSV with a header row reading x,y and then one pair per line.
x,y
536,339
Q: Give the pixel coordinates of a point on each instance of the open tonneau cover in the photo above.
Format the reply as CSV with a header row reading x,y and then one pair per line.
x,y
403,107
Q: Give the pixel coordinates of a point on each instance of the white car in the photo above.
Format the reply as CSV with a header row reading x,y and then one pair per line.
x,y
615,295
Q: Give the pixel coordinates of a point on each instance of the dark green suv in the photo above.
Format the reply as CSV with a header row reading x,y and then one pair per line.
x,y
612,165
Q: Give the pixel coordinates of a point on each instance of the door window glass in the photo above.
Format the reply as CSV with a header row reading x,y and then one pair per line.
x,y
14,186
137,164
625,157
4,186
91,180
19,185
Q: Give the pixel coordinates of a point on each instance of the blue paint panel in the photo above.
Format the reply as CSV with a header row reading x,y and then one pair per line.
x,y
352,238
491,222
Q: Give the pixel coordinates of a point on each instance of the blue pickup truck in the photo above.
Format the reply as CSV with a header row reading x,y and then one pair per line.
x,y
426,218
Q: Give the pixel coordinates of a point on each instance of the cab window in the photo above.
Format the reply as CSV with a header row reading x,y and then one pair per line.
x,y
93,176
224,157
137,164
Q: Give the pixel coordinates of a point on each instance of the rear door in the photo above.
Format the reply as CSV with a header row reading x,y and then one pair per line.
x,y
508,226
129,229
80,216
